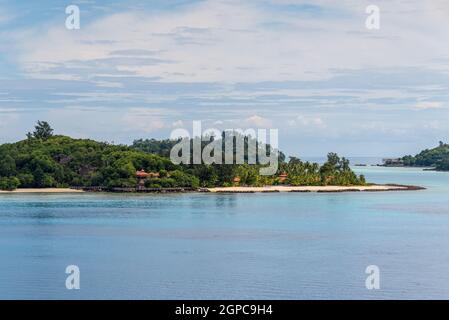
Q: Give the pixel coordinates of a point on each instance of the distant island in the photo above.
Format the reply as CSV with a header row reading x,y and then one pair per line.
x,y
436,158
45,160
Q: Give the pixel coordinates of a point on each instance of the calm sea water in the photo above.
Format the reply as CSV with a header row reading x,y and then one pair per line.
x,y
233,246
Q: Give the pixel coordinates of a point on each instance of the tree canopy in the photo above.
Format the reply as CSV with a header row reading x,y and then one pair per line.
x,y
437,157
47,160
42,131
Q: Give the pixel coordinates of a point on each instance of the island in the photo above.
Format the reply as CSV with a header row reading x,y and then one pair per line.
x,y
44,162
436,159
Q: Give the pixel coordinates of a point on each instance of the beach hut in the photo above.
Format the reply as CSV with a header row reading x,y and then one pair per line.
x,y
142,176
282,177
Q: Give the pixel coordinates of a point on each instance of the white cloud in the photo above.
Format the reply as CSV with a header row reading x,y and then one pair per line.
x,y
424,105
258,122
433,125
307,121
143,120
9,121
122,124
252,65
177,124
232,41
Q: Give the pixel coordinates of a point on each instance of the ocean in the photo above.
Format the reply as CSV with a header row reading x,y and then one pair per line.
x,y
231,246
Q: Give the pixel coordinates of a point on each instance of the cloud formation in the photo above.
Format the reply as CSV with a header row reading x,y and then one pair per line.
x,y
311,69
235,41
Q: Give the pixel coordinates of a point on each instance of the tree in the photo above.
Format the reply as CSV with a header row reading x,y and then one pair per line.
x,y
7,166
294,161
39,177
42,131
9,183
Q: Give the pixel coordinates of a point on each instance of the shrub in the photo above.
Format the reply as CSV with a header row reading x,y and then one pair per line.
x,y
9,183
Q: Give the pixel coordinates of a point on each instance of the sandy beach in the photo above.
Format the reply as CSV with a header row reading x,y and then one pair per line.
x,y
281,188
44,190
313,188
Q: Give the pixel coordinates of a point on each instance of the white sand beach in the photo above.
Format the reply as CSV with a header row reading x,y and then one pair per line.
x,y
44,190
243,189
309,188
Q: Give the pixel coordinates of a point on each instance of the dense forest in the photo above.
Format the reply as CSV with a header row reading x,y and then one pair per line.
x,y
335,171
437,157
47,160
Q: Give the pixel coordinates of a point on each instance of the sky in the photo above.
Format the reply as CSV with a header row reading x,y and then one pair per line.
x,y
311,69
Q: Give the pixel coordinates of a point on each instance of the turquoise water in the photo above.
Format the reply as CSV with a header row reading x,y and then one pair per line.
x,y
233,246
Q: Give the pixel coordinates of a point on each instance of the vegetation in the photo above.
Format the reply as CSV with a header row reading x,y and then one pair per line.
x,y
47,160
211,175
159,147
437,157
173,179
335,171
42,131
59,161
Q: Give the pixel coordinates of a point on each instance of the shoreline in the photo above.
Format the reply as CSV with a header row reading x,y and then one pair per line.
x,y
370,188
423,168
43,190
242,189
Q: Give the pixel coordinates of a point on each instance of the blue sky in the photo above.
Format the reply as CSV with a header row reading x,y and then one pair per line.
x,y
139,69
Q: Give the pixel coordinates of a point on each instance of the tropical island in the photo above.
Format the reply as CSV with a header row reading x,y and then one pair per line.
x,y
44,160
431,159
437,158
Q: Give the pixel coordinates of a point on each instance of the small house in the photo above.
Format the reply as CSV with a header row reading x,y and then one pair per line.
x,y
282,177
142,176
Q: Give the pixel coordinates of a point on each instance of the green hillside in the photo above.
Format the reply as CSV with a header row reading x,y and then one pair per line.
x,y
437,157
44,160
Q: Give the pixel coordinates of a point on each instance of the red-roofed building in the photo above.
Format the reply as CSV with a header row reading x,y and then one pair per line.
x,y
283,176
141,176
